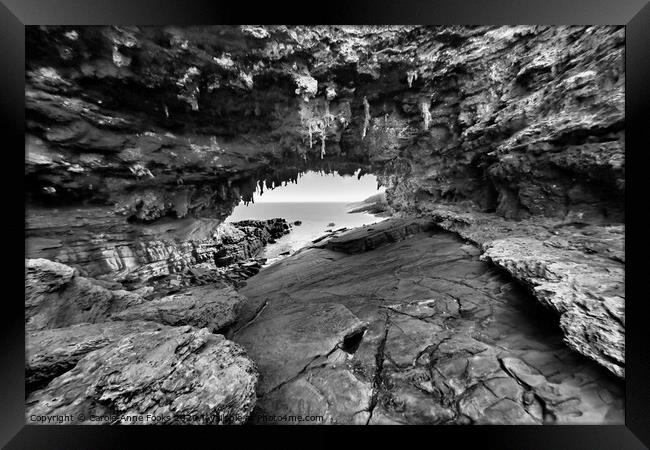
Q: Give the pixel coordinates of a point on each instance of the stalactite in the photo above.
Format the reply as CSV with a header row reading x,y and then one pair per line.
x,y
411,76
310,137
366,120
426,114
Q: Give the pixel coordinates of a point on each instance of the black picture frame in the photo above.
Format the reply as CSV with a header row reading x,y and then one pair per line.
x,y
634,14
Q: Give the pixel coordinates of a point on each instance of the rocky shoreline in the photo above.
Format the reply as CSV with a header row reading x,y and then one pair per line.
x,y
169,323
400,322
396,322
495,293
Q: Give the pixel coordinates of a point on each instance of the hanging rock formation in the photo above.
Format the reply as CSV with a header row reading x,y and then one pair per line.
x,y
141,140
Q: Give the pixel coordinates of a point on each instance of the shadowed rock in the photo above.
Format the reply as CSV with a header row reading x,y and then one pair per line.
x,y
510,136
588,297
575,270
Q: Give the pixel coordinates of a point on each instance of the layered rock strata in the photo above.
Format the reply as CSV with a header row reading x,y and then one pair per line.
x,y
104,246
210,306
52,352
168,121
141,138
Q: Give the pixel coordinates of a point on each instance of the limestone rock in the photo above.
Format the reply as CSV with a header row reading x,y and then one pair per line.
x,y
175,375
577,270
210,306
51,352
103,245
519,120
588,297
372,236
510,136
56,296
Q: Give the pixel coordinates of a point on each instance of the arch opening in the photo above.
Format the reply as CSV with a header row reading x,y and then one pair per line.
x,y
315,204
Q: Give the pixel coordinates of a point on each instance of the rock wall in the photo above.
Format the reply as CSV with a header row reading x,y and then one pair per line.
x,y
142,256
173,121
142,130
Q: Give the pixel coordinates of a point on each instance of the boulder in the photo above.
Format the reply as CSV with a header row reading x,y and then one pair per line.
x,y
210,306
174,375
49,353
56,296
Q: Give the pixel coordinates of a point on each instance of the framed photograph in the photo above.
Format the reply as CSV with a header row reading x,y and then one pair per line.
x,y
239,220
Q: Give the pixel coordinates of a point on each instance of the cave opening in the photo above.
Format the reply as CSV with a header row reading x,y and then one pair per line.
x,y
316,203
372,213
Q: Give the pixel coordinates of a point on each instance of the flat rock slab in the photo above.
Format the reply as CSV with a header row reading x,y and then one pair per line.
x,y
175,375
211,306
372,236
450,339
50,353
295,334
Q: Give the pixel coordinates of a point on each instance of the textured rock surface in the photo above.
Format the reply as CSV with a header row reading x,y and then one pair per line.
x,y
210,306
295,336
55,296
448,339
49,353
589,297
512,137
375,204
577,271
106,246
372,236
523,120
173,375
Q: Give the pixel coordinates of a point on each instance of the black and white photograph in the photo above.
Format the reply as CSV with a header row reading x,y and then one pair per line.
x,y
325,224
414,221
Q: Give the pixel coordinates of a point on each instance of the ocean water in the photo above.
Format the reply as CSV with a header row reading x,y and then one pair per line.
x,y
315,218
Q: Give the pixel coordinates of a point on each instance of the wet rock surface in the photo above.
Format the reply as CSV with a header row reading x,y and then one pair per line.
x,y
369,237
446,338
577,270
173,375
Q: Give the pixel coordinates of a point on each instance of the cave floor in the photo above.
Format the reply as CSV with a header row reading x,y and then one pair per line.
x,y
418,331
